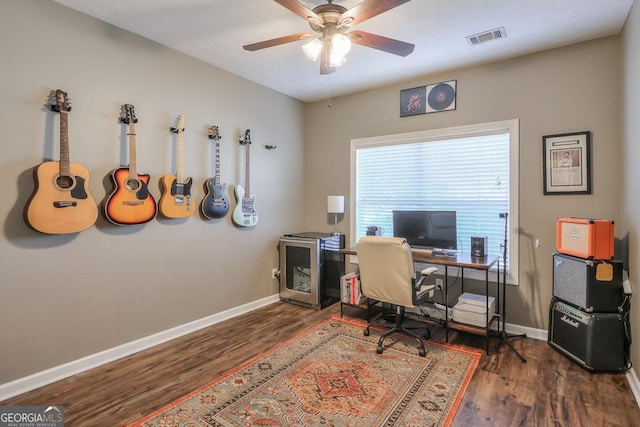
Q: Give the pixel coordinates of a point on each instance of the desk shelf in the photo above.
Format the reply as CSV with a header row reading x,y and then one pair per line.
x,y
364,310
472,329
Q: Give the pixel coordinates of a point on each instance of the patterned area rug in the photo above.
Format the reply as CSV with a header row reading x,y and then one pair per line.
x,y
332,376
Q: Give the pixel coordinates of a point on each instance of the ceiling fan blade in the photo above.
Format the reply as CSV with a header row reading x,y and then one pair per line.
x,y
299,9
277,41
367,9
385,44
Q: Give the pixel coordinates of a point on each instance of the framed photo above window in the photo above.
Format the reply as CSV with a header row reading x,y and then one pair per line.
x,y
567,163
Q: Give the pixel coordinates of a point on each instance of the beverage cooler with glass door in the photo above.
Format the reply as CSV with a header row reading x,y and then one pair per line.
x,y
310,268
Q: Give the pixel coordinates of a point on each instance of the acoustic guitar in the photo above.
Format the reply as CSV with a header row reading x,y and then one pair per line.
x,y
215,204
130,202
244,213
175,201
61,202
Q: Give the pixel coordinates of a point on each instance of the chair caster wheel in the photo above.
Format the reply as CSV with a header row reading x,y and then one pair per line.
x,y
379,349
366,332
422,353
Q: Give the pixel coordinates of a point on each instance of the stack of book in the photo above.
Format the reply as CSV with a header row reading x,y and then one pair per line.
x,y
350,289
472,309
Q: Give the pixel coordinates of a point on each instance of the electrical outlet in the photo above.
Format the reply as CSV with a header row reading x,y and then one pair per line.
x,y
439,283
274,273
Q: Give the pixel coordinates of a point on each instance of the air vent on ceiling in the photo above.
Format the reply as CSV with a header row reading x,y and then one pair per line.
x,y
498,33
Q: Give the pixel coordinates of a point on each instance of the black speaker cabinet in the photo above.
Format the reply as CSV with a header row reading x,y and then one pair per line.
x,y
595,341
592,285
478,246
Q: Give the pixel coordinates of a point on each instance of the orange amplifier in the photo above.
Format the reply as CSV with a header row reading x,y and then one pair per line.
x,y
585,238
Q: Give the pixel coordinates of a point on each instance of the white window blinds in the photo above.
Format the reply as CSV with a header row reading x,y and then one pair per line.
x,y
466,172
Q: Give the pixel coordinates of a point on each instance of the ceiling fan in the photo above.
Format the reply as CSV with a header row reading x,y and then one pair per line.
x,y
331,39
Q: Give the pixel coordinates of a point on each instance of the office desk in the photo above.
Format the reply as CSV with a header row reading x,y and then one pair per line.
x,y
462,261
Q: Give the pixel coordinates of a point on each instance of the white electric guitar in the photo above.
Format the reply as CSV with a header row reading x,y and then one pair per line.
x,y
245,214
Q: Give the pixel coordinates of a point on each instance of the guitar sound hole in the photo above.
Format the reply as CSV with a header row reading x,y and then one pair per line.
x,y
133,184
64,182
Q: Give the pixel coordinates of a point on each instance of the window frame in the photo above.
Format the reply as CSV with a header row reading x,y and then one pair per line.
x,y
510,126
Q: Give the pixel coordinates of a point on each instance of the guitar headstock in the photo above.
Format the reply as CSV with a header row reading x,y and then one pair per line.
x,y
127,114
179,128
62,102
213,133
246,139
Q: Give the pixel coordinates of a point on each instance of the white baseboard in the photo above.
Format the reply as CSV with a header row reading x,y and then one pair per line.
x,y
634,383
536,334
39,379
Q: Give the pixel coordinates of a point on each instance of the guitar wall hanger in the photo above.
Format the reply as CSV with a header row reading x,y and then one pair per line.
x,y
270,147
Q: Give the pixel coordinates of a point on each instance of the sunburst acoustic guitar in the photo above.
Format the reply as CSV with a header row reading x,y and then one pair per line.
x,y
245,214
61,203
176,201
215,204
130,202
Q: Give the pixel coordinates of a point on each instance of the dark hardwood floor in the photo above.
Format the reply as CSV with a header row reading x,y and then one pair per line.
x,y
548,390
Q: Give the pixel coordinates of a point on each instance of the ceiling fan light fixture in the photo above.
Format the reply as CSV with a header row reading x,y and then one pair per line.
x,y
336,60
312,49
340,44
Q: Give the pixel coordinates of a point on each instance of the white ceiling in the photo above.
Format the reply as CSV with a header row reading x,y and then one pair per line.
x,y
214,31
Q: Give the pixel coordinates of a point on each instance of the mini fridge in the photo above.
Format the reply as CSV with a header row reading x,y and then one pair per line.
x,y
310,268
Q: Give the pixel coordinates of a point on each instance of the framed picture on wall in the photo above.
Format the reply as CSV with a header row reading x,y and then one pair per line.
x,y
431,98
567,163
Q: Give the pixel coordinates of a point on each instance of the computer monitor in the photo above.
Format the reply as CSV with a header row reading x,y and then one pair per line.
x,y
430,229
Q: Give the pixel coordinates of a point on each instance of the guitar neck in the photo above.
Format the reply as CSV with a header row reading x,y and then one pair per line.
x,y
216,179
65,170
247,190
133,171
179,157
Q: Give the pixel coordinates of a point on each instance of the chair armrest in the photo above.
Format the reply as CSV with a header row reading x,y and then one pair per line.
x,y
429,271
423,275
425,291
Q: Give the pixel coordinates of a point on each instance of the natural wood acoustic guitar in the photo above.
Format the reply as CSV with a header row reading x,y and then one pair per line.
x,y
130,202
61,202
176,200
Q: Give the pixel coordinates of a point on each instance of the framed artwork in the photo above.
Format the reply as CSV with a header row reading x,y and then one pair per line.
x,y
567,163
428,99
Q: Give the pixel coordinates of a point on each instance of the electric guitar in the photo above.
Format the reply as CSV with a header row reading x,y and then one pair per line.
x,y
175,201
215,204
130,202
61,203
245,214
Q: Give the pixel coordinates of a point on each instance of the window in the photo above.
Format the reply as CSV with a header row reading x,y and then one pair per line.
x,y
469,169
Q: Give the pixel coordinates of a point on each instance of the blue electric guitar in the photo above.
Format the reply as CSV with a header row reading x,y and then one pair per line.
x,y
215,204
245,214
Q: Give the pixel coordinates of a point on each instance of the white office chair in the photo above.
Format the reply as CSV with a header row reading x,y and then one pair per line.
x,y
387,275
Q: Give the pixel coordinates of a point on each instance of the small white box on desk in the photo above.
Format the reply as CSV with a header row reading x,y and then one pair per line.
x,y
472,314
475,299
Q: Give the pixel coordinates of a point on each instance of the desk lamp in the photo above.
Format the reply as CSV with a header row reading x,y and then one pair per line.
x,y
335,205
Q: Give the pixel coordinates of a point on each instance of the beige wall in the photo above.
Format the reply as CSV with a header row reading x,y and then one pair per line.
x,y
569,89
65,297
630,153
